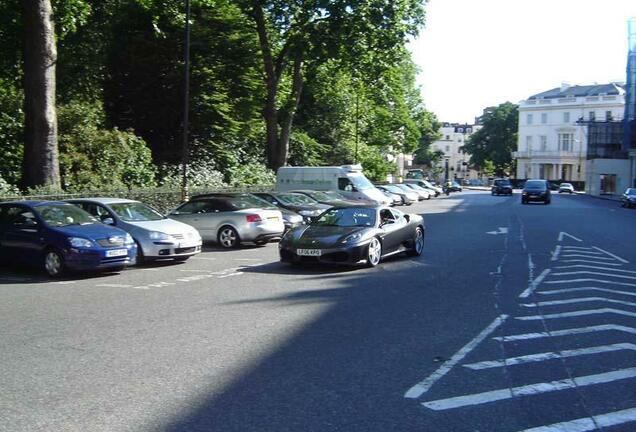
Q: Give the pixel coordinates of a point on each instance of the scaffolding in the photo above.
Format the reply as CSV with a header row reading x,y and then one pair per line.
x,y
629,134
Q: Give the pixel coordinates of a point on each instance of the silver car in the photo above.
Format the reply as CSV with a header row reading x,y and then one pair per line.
x,y
157,237
231,219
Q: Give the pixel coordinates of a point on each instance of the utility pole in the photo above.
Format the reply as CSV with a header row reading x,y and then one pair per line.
x,y
185,156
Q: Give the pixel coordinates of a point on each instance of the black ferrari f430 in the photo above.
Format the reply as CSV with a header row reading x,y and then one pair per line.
x,y
354,235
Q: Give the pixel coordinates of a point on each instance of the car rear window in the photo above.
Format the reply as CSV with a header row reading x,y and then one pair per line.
x,y
535,184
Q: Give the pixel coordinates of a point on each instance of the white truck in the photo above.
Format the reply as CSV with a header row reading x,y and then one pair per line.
x,y
347,180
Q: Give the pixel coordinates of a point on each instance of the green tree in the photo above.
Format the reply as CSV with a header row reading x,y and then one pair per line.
x,y
496,140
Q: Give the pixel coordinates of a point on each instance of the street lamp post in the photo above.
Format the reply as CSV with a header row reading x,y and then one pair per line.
x,y
186,107
446,159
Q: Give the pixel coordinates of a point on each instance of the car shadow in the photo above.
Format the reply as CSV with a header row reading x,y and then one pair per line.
x,y
25,275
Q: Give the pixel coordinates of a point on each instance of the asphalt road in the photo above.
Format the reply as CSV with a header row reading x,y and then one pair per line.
x,y
516,318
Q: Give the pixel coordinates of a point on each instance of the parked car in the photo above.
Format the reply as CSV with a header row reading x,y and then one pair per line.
x,y
296,202
408,198
628,199
58,236
290,219
331,198
454,186
566,187
352,235
536,190
426,184
424,193
501,187
397,199
157,236
231,219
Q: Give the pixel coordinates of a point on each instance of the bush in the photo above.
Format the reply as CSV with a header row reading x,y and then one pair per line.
x,y
202,174
11,132
7,188
251,174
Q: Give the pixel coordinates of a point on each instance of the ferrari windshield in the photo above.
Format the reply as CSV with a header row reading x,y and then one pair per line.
x,y
347,217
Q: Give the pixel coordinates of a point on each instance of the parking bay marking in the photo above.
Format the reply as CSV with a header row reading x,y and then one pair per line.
x,y
592,423
550,356
535,283
591,262
531,389
576,314
596,268
565,281
577,300
566,332
571,290
594,273
579,255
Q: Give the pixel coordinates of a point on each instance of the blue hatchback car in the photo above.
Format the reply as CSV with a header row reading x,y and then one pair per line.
x,y
57,236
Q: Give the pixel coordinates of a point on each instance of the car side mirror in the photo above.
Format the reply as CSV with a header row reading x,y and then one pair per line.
x,y
108,221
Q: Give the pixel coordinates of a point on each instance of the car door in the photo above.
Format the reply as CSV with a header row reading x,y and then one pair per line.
x,y
194,213
22,237
391,228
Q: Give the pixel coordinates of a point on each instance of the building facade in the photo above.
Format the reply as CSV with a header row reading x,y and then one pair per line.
x,y
454,136
552,134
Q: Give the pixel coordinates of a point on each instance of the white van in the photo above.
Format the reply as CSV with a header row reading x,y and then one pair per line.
x,y
347,180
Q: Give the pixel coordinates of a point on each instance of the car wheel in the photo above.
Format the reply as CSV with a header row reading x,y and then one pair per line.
x,y
228,237
374,252
623,204
547,202
418,243
492,193
53,263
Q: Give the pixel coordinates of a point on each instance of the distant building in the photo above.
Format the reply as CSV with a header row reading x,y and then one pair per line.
x,y
454,136
553,129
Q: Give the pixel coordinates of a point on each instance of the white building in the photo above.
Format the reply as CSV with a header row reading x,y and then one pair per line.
x,y
454,136
552,134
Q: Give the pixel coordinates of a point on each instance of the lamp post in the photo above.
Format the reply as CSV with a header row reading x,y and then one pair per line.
x,y
186,107
446,160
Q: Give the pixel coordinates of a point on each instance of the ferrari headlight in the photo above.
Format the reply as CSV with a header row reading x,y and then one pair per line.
x,y
352,238
156,235
78,242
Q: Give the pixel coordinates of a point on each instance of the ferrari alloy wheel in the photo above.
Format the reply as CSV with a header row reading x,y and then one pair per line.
x,y
418,243
53,263
374,253
228,237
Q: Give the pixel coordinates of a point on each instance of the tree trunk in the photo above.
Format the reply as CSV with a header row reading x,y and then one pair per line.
x,y
41,165
297,87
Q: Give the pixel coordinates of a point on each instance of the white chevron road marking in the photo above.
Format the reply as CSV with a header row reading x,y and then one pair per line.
x,y
624,261
591,280
535,283
579,255
576,314
566,332
593,273
595,268
587,424
571,290
591,262
578,300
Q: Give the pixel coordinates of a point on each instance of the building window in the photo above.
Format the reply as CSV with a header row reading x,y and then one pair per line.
x,y
544,118
608,116
565,141
544,142
447,137
592,116
469,130
447,149
460,130
566,117
529,142
529,119
459,149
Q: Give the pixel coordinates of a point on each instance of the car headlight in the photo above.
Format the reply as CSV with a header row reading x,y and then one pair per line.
x,y
309,212
79,242
128,240
156,235
352,238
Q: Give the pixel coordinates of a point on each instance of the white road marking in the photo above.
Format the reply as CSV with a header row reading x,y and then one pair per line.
x,y
555,254
65,282
231,275
591,262
107,285
590,280
576,313
203,258
579,255
195,271
587,424
562,235
550,356
581,251
594,273
577,247
569,290
578,300
596,268
502,230
423,386
535,283
624,261
531,389
150,269
566,332
247,259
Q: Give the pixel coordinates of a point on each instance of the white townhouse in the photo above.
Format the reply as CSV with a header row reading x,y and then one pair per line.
x,y
454,136
552,134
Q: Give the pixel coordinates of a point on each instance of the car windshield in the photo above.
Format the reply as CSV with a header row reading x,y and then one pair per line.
x,y
135,212
347,217
59,215
295,199
320,196
567,185
264,203
360,182
241,202
502,183
631,191
535,184
393,189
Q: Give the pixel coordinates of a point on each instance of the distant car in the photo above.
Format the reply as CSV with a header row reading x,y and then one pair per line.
x,y
421,193
297,202
455,187
628,199
501,187
408,198
566,187
291,219
352,235
427,185
424,193
157,236
231,219
397,199
536,190
330,198
57,236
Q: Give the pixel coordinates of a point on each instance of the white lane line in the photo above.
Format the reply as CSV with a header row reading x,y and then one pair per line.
x,y
230,275
587,424
108,285
65,282
423,386
555,254
624,261
583,252
576,314
594,273
196,271
531,389
247,259
596,268
535,283
591,262
550,356
578,255
590,280
203,258
578,300
150,269
564,234
577,247
570,290
566,332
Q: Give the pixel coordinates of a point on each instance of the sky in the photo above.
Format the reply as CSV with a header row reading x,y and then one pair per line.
x,y
478,53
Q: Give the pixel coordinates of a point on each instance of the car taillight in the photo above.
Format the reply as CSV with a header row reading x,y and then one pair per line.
x,y
253,218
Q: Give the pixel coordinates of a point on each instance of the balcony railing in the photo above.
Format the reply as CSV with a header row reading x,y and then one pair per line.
x,y
547,154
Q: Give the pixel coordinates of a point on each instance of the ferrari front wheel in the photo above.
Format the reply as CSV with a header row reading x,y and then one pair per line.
x,y
374,252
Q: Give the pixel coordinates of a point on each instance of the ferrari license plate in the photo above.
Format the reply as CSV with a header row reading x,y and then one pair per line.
x,y
309,252
116,253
